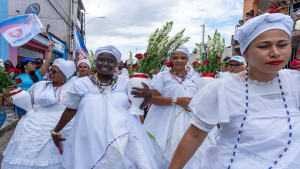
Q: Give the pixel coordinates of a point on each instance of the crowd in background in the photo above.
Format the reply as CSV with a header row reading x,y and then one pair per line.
x,y
274,7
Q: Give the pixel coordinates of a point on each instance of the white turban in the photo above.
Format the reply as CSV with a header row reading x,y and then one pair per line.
x,y
84,61
260,24
109,49
66,66
181,48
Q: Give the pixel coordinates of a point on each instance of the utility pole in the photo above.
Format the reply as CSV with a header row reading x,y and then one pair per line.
x,y
203,33
203,44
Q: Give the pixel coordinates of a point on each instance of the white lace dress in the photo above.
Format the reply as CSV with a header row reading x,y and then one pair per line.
x,y
31,145
265,132
105,134
166,125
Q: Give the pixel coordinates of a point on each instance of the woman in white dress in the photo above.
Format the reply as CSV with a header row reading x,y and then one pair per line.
x,y
105,134
83,68
169,115
258,109
31,145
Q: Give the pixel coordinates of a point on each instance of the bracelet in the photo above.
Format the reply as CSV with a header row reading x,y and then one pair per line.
x,y
174,100
54,132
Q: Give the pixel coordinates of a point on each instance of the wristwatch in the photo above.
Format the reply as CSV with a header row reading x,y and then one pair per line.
x,y
174,100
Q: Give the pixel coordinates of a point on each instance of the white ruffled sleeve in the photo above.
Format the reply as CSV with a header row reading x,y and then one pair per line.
x,y
209,106
74,91
157,82
31,92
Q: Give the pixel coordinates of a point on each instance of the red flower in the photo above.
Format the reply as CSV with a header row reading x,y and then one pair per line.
x,y
95,71
17,71
206,62
18,81
170,64
145,54
134,66
10,70
139,56
195,63
295,63
218,58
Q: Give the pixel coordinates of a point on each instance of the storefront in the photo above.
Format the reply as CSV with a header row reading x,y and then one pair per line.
x,y
35,48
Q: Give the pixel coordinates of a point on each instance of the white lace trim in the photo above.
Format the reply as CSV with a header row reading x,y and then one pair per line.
x,y
69,106
265,160
201,124
32,163
274,96
253,82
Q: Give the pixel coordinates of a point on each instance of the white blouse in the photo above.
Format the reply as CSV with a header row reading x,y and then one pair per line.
x,y
266,129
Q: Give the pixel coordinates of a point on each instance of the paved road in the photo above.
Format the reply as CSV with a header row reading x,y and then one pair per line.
x,y
4,139
7,128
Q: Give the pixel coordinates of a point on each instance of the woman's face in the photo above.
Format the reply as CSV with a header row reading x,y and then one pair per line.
x,y
83,69
56,75
7,65
30,67
269,52
179,60
235,66
106,63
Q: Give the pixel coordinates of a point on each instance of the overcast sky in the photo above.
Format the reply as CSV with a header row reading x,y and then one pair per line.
x,y
128,24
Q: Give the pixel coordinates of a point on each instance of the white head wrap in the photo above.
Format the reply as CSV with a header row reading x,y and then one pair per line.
x,y
109,49
84,61
181,48
66,66
260,24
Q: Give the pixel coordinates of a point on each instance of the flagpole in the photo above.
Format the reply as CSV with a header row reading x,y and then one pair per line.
x,y
44,27
47,34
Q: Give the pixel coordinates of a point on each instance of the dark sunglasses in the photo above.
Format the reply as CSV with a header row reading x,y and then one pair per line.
x,y
38,63
54,71
234,65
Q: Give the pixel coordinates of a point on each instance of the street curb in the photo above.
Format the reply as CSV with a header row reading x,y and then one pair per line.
x,y
8,127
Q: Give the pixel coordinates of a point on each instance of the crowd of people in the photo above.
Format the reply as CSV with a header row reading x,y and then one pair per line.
x,y
81,119
274,7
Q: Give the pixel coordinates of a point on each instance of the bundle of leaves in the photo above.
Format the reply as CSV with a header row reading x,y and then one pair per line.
x,y
159,48
212,62
7,79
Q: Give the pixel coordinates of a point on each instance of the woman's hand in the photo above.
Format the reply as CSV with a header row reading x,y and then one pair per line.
x,y
57,138
51,45
184,102
44,68
8,90
142,93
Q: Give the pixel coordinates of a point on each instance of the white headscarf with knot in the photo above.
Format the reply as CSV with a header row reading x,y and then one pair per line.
x,y
109,49
181,48
260,24
84,61
66,66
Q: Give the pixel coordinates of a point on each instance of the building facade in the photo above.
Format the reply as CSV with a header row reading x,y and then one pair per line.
x,y
4,50
263,5
57,17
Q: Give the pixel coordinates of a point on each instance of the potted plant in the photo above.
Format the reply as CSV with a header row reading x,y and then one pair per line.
x,y
158,50
210,66
18,96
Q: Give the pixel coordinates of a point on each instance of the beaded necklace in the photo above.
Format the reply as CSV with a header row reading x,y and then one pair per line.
x,y
244,119
111,82
183,77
